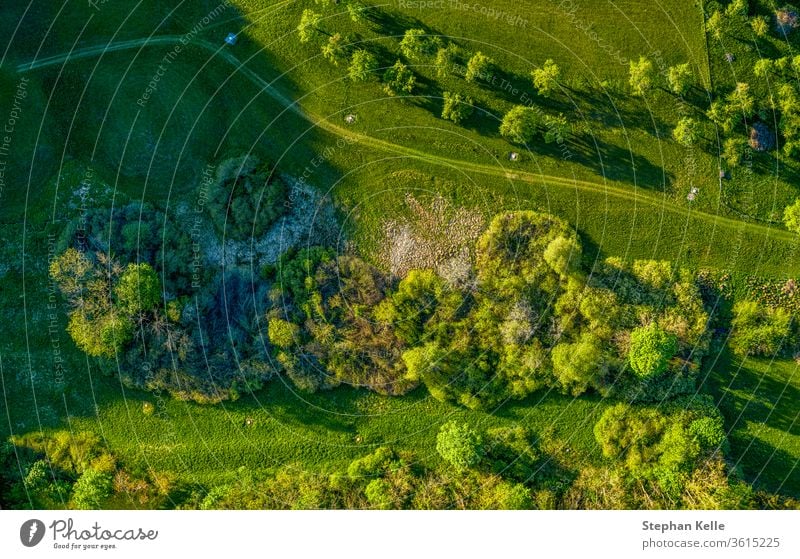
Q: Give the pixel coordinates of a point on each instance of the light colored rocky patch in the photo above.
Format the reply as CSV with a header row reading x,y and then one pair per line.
x,y
310,221
437,236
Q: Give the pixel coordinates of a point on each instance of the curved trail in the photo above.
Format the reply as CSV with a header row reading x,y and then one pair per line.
x,y
528,177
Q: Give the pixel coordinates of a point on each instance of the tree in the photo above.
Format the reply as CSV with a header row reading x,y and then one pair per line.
x,y
650,350
446,58
459,445
680,78
721,114
563,255
687,131
416,43
578,365
309,25
91,489
760,26
138,289
758,329
642,76
520,124
70,271
399,79
362,65
478,67
456,107
715,24
545,79
358,10
732,151
741,100
763,67
737,8
791,217
335,49
556,128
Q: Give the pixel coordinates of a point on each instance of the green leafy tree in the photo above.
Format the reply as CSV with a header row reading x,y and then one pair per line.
x,y
399,79
687,131
520,124
733,151
70,271
737,8
763,67
651,349
758,329
357,10
579,365
791,217
741,100
642,76
335,50
478,67
91,489
362,65
715,24
309,25
457,107
680,78
556,128
545,79
459,445
416,44
760,26
563,255
446,58
138,289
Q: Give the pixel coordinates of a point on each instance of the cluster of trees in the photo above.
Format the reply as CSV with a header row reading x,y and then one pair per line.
x,y
740,109
664,448
531,318
142,295
63,469
246,198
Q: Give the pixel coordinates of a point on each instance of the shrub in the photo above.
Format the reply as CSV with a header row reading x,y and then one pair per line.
x,y
642,76
91,489
459,445
650,351
757,329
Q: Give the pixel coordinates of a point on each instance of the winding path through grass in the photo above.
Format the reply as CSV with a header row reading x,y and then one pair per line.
x,y
289,104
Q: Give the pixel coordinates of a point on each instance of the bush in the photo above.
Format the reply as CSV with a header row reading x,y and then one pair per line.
x,y
757,329
459,445
91,489
791,217
650,351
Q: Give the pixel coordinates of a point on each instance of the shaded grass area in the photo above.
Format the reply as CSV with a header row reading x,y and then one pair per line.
x,y
758,398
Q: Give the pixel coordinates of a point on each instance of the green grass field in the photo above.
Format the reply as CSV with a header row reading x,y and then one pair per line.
x,y
623,187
